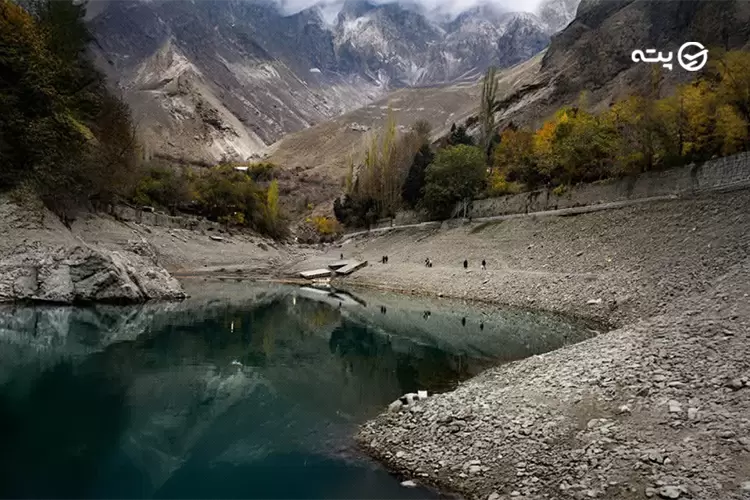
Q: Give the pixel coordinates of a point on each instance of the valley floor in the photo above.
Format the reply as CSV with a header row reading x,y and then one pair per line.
x,y
657,407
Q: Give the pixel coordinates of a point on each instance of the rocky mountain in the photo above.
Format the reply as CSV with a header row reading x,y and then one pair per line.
x,y
593,53
227,78
412,49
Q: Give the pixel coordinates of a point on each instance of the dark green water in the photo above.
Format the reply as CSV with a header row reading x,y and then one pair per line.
x,y
241,392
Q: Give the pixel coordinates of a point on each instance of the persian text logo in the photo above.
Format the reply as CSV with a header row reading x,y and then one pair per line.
x,y
689,59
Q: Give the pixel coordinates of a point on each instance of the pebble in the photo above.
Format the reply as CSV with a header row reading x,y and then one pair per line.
x,y
674,406
409,484
735,384
670,492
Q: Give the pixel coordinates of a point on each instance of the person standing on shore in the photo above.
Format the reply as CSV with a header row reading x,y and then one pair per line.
x,y
466,264
484,265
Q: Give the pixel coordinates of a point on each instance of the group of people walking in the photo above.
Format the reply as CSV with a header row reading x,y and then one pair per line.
x,y
428,262
484,264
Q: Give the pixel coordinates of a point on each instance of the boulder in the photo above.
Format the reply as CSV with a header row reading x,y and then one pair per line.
x,y
84,274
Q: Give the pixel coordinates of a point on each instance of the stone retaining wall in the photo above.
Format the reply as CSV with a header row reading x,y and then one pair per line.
x,y
130,214
713,174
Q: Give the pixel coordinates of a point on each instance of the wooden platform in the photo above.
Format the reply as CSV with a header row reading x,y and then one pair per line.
x,y
351,267
340,263
316,273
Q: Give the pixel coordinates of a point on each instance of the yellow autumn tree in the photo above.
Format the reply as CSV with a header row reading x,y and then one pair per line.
x,y
733,70
700,111
731,129
514,160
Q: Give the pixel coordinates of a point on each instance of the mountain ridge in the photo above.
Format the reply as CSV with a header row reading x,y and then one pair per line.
x,y
217,79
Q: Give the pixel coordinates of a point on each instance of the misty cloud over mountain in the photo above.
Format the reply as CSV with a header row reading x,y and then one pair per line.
x,y
450,8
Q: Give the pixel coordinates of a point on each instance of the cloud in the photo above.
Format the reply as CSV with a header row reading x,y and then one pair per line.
x,y
449,7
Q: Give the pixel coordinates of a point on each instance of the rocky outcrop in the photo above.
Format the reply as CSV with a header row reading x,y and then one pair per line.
x,y
42,260
84,274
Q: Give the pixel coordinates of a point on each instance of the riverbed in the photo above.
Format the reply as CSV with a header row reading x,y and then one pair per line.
x,y
241,391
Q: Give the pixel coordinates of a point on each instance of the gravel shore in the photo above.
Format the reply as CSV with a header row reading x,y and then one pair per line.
x,y
658,407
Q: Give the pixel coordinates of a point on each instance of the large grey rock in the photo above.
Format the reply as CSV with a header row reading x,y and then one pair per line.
x,y
84,274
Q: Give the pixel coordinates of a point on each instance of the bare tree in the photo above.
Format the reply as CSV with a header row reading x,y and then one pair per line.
x,y
486,110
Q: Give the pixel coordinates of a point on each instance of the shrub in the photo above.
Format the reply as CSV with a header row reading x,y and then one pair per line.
x,y
261,172
163,187
325,226
499,186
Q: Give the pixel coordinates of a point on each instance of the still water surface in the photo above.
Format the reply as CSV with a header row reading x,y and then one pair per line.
x,y
240,392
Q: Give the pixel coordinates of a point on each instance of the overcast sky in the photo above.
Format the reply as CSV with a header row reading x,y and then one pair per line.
x,y
443,6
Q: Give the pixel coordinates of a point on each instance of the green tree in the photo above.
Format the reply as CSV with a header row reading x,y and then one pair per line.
x,y
61,131
223,191
164,187
456,174
459,136
413,187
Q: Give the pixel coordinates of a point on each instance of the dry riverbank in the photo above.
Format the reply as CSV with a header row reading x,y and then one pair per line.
x,y
657,407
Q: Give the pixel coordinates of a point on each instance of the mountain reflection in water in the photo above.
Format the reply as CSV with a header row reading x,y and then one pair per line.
x,y
240,392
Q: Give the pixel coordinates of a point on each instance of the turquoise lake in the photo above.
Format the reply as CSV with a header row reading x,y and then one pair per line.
x,y
242,391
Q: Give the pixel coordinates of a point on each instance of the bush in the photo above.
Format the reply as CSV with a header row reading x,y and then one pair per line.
x,y
163,187
325,226
560,190
499,186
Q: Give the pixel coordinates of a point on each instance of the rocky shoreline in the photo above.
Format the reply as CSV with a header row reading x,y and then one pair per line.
x,y
659,407
102,259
